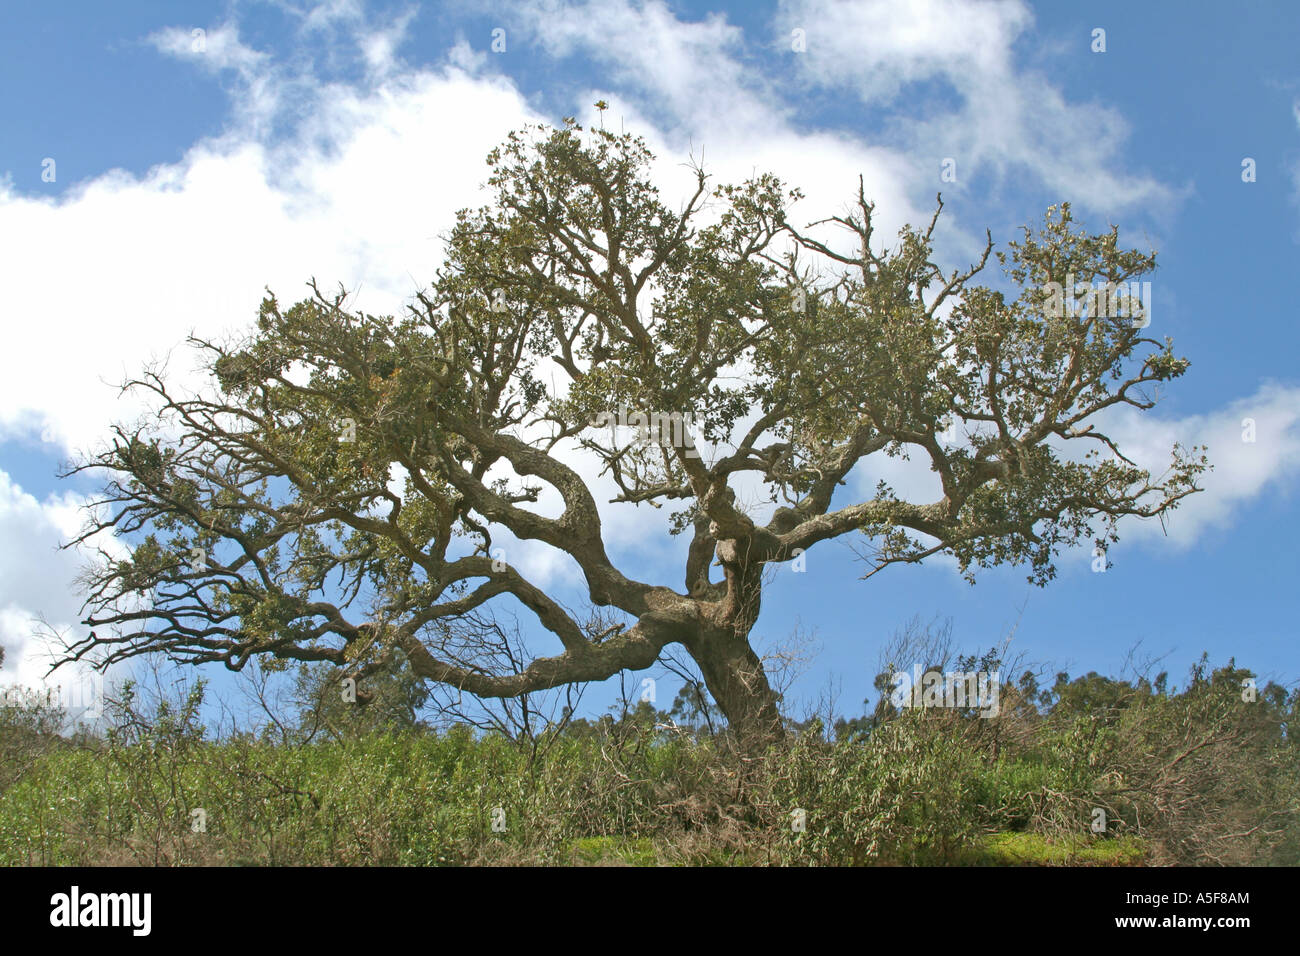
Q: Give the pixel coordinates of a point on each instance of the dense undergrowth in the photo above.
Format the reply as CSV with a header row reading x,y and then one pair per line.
x,y
1200,777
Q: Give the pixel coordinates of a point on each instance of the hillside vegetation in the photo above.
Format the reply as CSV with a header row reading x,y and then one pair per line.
x,y
1199,776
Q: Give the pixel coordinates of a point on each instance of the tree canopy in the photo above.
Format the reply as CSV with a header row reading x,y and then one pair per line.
x,y
334,494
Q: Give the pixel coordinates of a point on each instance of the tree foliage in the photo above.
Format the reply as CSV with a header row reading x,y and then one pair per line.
x,y
336,491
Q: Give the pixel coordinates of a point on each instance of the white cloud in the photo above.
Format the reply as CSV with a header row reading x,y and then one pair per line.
x,y
322,17
32,571
1243,470
1007,118
379,47
36,592
693,69
216,49
138,263
884,47
261,84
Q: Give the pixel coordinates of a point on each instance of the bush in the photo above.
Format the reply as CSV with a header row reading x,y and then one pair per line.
x,y
1196,777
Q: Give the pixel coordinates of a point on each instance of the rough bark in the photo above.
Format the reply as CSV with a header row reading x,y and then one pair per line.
x,y
734,676
732,671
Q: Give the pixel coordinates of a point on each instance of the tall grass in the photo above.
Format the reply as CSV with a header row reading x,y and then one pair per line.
x,y
922,787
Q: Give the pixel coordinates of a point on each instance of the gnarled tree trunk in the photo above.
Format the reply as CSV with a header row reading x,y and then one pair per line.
x,y
734,676
732,671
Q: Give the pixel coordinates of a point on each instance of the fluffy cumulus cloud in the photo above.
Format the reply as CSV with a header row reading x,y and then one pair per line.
x,y
37,596
1253,444
358,197
353,182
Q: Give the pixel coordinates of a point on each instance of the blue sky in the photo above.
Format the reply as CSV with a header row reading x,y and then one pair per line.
x,y
335,140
